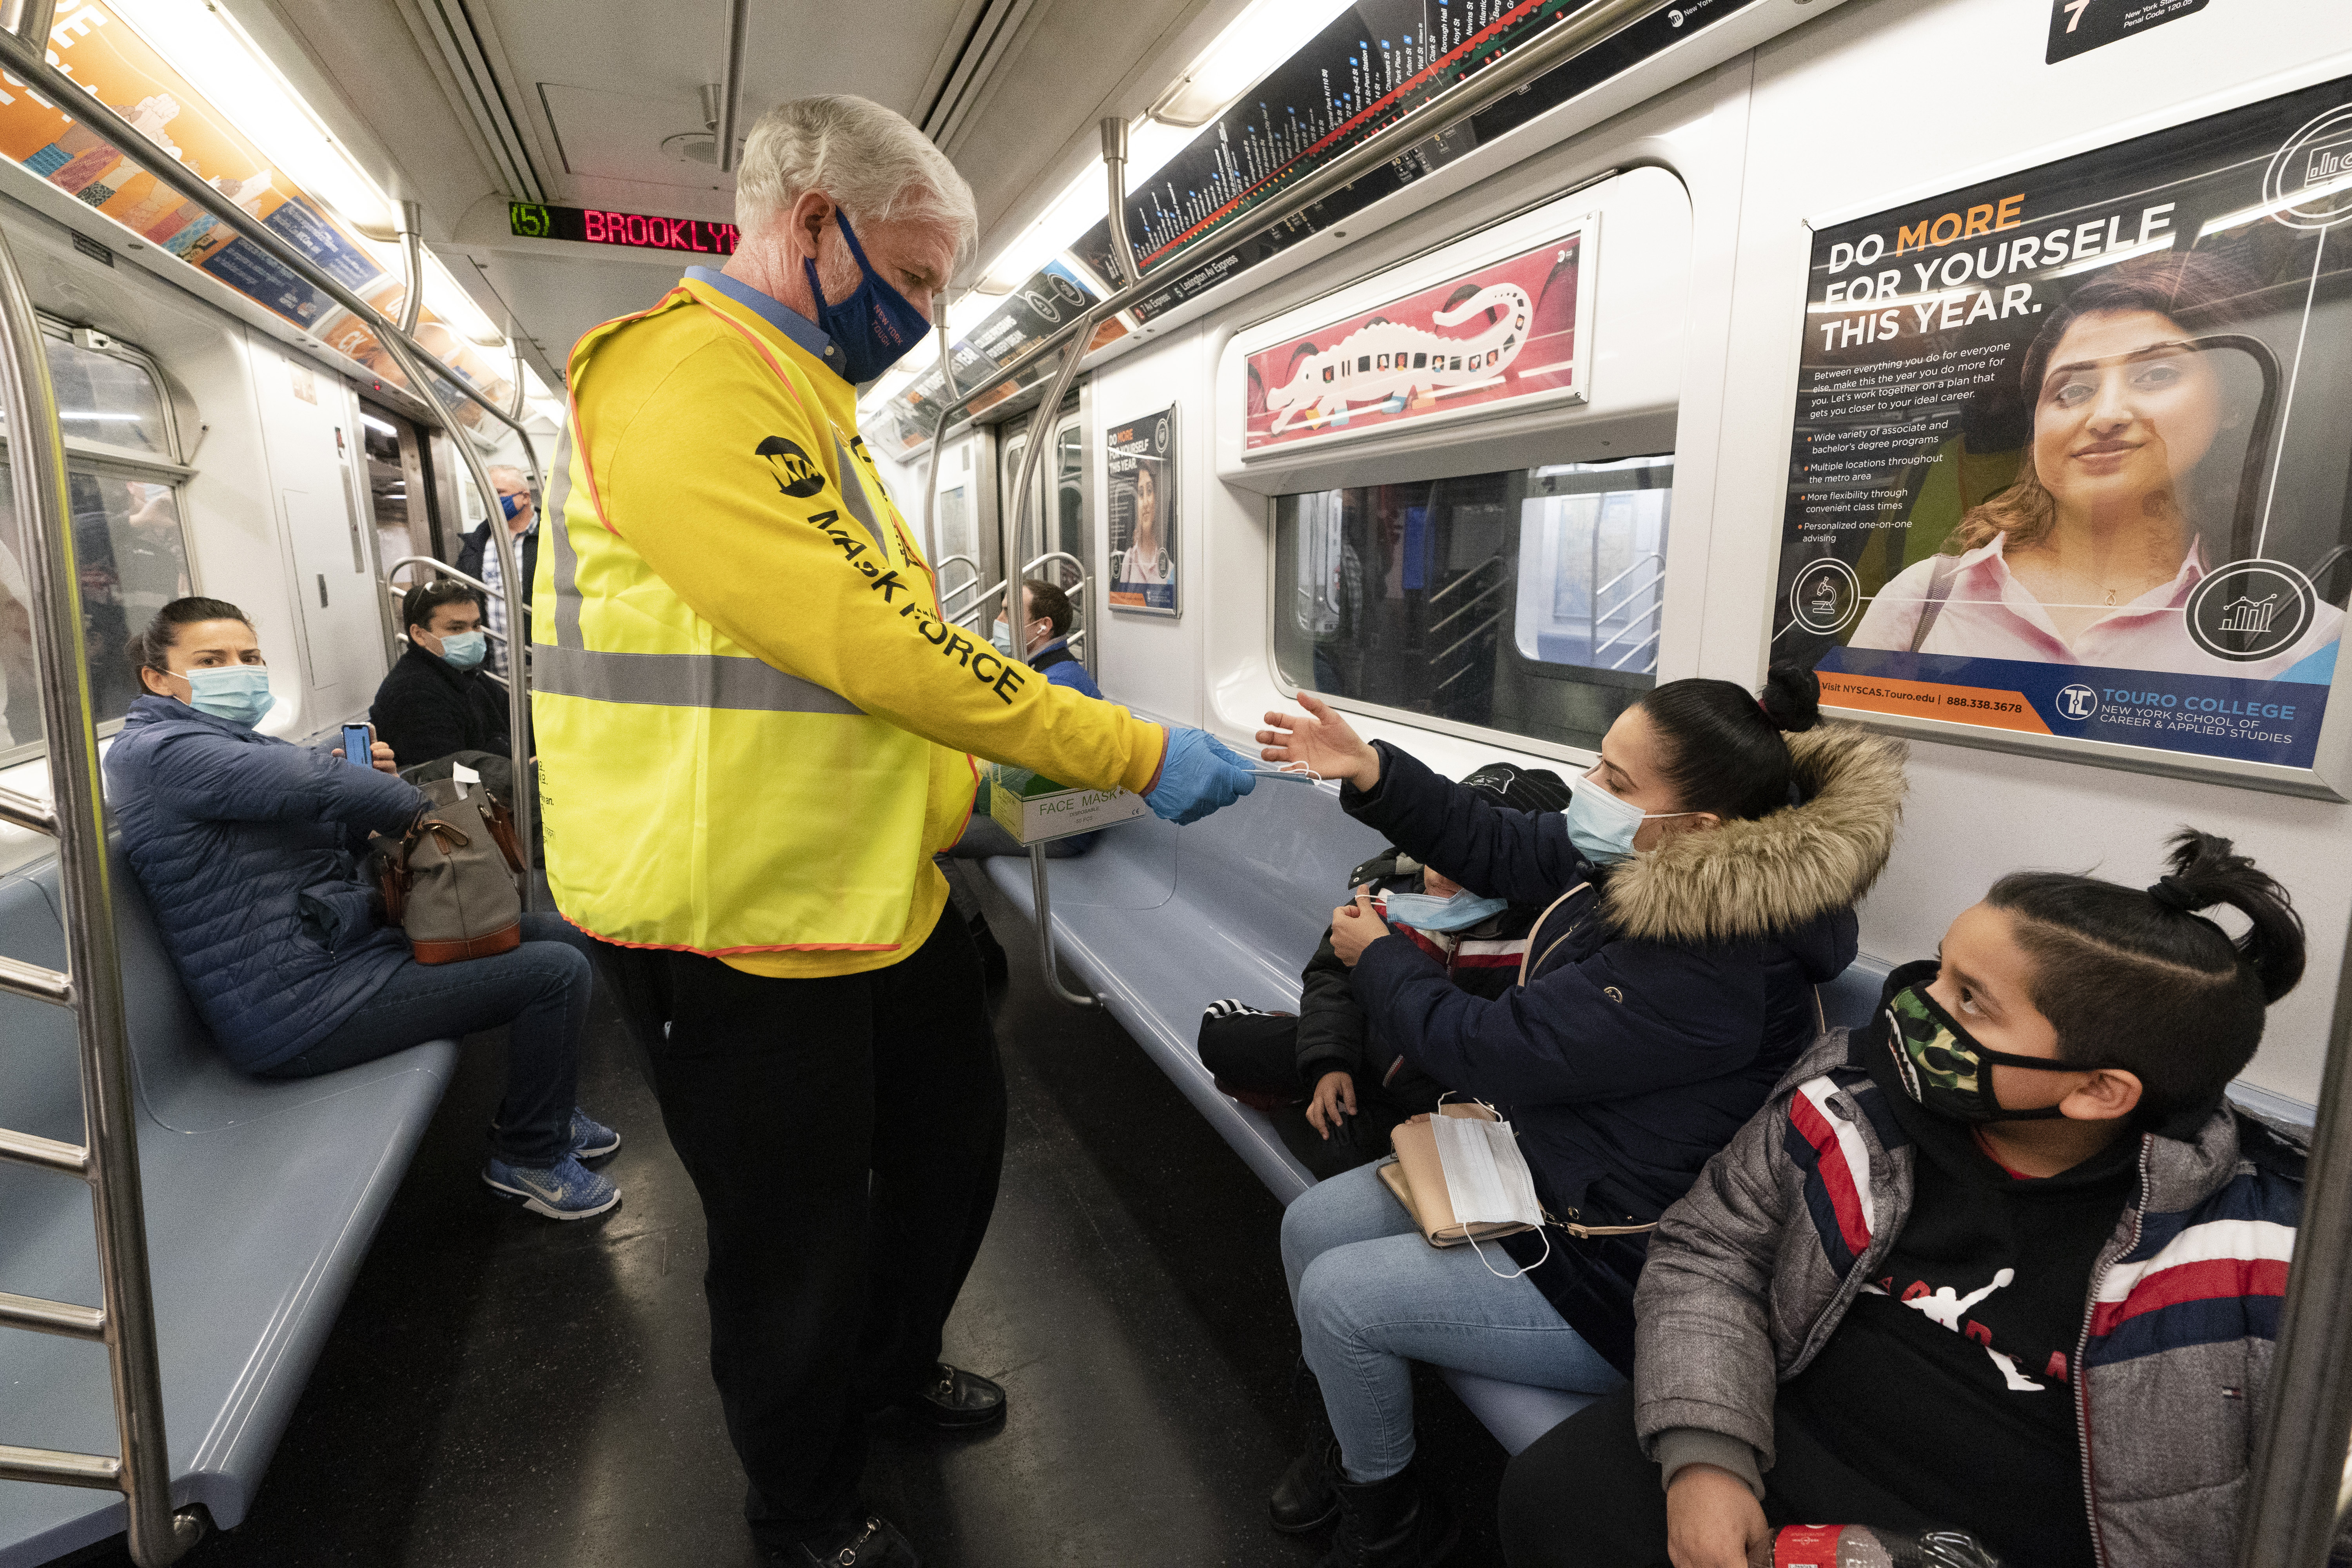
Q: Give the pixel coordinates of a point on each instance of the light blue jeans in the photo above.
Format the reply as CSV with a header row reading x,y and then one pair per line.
x,y
1371,1296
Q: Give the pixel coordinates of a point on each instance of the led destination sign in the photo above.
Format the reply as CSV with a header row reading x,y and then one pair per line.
x,y
637,231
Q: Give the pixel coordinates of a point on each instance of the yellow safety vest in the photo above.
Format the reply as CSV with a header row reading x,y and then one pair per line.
x,y
737,656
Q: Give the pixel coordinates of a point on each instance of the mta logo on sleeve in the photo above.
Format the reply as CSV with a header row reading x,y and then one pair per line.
x,y
796,475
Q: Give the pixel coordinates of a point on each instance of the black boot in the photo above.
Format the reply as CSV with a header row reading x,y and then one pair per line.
x,y
1303,1499
1394,1524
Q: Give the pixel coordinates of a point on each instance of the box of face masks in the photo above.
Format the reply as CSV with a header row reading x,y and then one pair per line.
x,y
1034,809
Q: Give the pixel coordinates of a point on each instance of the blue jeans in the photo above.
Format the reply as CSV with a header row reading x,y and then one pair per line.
x,y
1371,1296
542,989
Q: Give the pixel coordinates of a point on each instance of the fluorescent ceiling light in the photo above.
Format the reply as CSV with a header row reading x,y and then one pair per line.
x,y
240,84
1263,35
446,299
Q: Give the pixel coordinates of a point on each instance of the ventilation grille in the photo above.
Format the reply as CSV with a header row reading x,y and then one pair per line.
x,y
465,49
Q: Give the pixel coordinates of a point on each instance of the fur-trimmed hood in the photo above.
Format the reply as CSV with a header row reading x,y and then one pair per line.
x,y
1773,873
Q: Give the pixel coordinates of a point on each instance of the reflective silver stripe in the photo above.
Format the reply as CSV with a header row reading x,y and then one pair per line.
x,y
567,563
852,490
680,681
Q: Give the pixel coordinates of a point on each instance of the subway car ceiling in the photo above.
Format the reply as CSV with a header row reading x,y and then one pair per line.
x,y
1552,554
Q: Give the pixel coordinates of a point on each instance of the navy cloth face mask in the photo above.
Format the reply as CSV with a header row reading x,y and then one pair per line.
x,y
873,327
508,506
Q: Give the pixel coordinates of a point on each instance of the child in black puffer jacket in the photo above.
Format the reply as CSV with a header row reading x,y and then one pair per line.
x,y
1337,1087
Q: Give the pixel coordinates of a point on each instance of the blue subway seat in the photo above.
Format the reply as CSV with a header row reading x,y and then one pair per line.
x,y
262,1198
1160,920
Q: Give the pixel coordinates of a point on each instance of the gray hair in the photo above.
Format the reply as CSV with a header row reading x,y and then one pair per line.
x,y
869,159
497,471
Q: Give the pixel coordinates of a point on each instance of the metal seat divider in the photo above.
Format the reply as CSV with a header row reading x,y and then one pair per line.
x,y
90,986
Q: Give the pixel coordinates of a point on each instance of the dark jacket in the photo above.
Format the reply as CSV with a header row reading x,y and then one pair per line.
x,y
249,851
1661,999
428,707
1753,1271
478,544
1334,1035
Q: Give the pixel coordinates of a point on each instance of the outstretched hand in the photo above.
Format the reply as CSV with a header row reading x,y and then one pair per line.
x,y
1322,741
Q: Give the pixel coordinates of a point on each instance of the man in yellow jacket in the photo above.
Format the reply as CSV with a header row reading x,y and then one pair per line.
x,y
755,729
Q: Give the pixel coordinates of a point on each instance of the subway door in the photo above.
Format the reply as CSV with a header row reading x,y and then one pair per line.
x,y
310,430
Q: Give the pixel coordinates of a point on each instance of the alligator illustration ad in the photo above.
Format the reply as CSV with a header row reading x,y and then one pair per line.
x,y
1386,362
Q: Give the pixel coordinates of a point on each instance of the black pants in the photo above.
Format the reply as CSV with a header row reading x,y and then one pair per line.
x,y
827,1294
1258,1053
1583,1495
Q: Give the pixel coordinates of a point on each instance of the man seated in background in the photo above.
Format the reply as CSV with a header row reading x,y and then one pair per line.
x,y
1048,612
436,700
480,558
1356,1088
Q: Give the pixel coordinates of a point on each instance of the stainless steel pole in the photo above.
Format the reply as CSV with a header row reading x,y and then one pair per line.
x,y
526,802
1568,37
1114,152
2291,1510
730,83
37,461
932,484
412,257
27,57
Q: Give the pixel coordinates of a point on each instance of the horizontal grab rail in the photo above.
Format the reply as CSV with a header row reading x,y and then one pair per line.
x,y
59,1469
24,811
44,1153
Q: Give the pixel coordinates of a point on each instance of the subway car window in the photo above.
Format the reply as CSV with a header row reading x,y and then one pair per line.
x,y
1524,602
102,396
134,560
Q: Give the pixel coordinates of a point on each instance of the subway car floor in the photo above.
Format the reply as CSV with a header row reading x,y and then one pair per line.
x,y
501,1391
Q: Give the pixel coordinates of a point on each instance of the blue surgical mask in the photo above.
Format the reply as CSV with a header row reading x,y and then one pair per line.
x,y
464,649
1002,638
876,326
1424,911
508,506
236,692
1601,827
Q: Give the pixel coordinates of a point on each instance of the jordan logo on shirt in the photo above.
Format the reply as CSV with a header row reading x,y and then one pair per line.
x,y
1946,1307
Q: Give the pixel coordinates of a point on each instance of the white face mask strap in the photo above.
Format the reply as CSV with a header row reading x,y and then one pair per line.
x,y
1523,1273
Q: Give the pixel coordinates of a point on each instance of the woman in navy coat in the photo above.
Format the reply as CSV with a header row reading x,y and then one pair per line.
x,y
250,852
1698,887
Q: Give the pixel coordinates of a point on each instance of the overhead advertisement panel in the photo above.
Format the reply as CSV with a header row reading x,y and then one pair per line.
x,y
1030,314
1376,62
113,62
1508,332
2070,453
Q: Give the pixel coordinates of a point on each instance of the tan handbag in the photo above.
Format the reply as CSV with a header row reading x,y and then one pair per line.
x,y
450,882
1417,1178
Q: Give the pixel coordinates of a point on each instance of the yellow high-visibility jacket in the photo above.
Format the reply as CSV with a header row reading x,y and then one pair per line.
x,y
752,724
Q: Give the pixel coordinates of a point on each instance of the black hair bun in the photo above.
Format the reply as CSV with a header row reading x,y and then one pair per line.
x,y
1791,698
2206,870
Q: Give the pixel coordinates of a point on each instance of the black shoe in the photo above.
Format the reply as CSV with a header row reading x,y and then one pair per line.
x,y
1304,1500
955,1400
1394,1524
877,1544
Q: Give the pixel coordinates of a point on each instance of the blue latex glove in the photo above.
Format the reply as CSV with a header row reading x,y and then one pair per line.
x,y
1198,777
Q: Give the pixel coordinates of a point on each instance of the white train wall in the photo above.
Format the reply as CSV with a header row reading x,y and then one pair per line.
x,y
1864,104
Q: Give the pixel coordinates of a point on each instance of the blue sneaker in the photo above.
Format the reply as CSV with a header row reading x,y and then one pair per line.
x,y
591,1139
565,1190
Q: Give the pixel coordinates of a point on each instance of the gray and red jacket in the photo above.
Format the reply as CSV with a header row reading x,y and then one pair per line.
x,y
1752,1271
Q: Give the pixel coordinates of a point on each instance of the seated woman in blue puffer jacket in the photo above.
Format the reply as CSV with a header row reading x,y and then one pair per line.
x,y
250,852
1698,887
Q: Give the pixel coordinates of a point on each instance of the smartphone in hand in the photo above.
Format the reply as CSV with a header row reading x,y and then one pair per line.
x,y
359,745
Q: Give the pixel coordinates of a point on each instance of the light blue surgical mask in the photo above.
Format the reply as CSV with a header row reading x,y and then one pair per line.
x,y
1601,827
876,326
1424,911
464,649
236,692
1002,638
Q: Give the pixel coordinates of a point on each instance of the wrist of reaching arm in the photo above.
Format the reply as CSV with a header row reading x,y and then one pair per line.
x,y
1680,1448
1151,756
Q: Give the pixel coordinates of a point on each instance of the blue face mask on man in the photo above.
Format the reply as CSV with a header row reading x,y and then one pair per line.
x,y
463,650
236,692
508,506
873,327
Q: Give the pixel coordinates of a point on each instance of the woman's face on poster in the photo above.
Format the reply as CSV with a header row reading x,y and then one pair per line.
x,y
2127,409
1147,502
